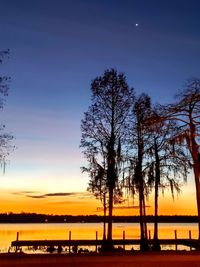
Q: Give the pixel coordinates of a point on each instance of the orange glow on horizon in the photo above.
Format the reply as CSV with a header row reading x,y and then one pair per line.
x,y
185,204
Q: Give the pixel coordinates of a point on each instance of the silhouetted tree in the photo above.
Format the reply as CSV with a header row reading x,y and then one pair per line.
x,y
139,138
5,138
167,161
3,80
187,112
103,130
97,185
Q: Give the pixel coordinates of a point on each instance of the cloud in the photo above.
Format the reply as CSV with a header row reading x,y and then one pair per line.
x,y
25,192
37,195
40,196
122,207
59,194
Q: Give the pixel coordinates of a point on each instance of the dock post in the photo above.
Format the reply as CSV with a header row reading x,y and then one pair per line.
x,y
190,237
70,236
175,233
96,240
149,234
16,248
124,237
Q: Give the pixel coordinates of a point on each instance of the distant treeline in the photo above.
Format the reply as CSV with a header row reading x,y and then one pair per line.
x,y
43,218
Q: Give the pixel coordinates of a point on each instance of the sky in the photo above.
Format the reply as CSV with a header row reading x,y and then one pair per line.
x,y
56,48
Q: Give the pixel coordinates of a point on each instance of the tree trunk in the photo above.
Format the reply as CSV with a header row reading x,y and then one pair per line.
x,y
143,238
197,183
156,243
104,216
195,156
139,178
144,219
110,210
111,180
156,211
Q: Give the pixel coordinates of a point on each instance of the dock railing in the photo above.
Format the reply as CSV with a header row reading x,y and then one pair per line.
x,y
122,243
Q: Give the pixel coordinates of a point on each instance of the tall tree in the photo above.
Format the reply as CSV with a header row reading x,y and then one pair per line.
x,y
167,161
103,130
140,143
5,138
186,111
3,79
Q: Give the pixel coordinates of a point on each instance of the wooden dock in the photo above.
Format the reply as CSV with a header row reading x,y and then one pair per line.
x,y
97,243
192,243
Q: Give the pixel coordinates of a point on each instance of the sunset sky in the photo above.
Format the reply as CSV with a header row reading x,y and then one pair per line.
x,y
57,48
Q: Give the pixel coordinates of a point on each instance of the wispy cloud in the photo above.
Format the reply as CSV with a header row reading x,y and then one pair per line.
x,y
35,194
59,194
122,207
25,192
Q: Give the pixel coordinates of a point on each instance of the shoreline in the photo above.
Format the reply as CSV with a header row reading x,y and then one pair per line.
x,y
136,259
28,218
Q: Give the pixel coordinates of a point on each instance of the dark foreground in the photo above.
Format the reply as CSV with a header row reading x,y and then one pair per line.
x,y
151,259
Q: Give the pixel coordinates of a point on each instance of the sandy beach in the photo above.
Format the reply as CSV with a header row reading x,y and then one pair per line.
x,y
162,259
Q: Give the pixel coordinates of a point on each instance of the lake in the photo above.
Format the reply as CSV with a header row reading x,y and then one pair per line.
x,y
8,232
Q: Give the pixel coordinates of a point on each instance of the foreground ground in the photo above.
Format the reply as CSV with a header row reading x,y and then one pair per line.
x,y
162,259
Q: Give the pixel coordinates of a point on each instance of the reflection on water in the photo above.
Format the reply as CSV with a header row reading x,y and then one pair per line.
x,y
52,231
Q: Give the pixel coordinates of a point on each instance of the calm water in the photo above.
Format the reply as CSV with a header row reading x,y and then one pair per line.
x,y
87,231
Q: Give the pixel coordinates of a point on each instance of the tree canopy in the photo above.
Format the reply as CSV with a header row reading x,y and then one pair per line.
x,y
103,132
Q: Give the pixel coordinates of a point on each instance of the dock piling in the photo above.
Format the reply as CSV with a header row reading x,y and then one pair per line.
x,y
190,237
175,234
149,234
124,237
17,239
96,240
70,237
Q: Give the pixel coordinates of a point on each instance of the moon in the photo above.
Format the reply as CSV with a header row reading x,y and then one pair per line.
x,y
136,24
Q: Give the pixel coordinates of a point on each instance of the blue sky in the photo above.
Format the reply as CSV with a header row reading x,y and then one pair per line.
x,y
58,47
